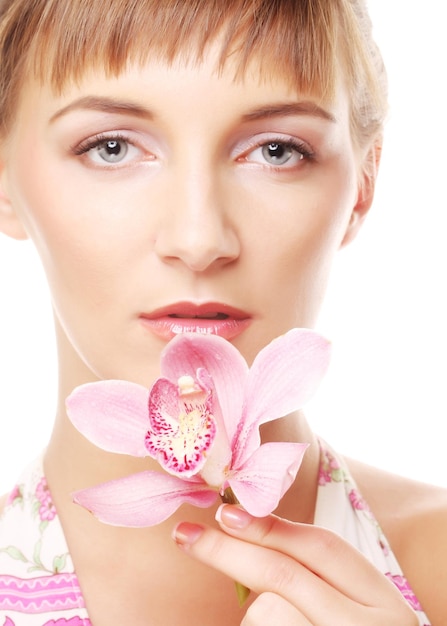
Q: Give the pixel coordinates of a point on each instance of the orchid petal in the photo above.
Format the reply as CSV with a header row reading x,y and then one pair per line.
x,y
182,428
112,414
188,352
286,373
163,405
143,499
265,477
282,378
219,458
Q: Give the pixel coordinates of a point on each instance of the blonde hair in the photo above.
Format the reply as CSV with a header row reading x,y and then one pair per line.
x,y
312,43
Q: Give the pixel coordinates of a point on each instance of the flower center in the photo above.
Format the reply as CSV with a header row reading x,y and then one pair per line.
x,y
180,439
186,385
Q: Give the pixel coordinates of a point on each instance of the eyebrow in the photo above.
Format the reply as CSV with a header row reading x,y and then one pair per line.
x,y
290,109
110,105
104,105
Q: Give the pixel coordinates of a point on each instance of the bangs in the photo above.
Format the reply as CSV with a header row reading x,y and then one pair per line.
x,y
62,39
309,43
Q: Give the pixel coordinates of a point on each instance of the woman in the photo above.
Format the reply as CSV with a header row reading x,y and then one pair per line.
x,y
185,167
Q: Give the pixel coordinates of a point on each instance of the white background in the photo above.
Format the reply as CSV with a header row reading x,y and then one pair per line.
x,y
384,399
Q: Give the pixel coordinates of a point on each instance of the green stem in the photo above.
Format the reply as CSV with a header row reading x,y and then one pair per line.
x,y
242,591
229,497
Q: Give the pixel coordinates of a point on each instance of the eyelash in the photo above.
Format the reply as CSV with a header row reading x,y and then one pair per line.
x,y
295,144
299,147
94,142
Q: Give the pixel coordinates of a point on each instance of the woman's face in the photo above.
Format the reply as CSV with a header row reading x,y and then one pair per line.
x,y
174,199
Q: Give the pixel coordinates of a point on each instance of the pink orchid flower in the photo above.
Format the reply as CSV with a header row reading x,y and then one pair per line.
x,y
201,422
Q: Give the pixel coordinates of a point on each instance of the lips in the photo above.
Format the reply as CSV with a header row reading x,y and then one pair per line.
x,y
212,316
187,317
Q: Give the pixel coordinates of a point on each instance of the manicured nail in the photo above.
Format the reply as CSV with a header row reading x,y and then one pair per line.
x,y
233,516
185,534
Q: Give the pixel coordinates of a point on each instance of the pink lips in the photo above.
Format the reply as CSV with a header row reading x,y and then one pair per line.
x,y
186,317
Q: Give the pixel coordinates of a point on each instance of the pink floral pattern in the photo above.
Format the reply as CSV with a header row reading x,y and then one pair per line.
x,y
47,510
404,587
16,496
357,501
36,571
331,472
330,469
73,621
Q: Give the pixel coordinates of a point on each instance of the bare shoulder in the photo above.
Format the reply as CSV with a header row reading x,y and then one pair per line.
x,y
399,497
413,516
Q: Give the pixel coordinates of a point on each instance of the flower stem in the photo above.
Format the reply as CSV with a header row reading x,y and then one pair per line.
x,y
242,591
228,497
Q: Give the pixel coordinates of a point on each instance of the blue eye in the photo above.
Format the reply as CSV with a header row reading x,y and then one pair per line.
x,y
278,153
108,150
112,150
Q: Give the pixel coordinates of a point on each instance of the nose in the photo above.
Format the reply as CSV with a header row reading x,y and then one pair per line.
x,y
196,227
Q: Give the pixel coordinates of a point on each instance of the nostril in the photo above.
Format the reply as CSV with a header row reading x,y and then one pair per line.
x,y
200,244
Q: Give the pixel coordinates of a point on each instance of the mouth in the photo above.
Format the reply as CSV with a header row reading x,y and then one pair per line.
x,y
211,316
187,317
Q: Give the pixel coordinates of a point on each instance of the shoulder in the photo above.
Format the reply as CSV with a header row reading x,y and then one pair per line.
x,y
413,516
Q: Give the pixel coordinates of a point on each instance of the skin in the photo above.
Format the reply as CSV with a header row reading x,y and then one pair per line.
x,y
196,212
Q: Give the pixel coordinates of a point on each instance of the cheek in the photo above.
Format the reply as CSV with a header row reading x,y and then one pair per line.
x,y
66,223
87,264
40,198
299,232
304,227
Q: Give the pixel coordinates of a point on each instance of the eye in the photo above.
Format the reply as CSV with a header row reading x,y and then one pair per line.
x,y
112,150
103,150
279,152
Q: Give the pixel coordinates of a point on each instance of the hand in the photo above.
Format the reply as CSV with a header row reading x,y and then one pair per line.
x,y
304,575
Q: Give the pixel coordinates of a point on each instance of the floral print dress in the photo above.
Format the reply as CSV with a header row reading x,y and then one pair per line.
x,y
38,584
342,509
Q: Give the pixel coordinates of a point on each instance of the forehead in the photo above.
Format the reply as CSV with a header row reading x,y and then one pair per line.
x,y
181,86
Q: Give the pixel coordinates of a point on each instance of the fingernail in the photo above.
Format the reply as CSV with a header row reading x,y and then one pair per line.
x,y
233,516
185,534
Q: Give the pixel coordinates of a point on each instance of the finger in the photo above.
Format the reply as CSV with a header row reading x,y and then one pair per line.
x,y
270,609
265,570
321,551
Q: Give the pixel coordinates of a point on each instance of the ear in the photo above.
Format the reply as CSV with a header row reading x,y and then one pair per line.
x,y
366,190
10,223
